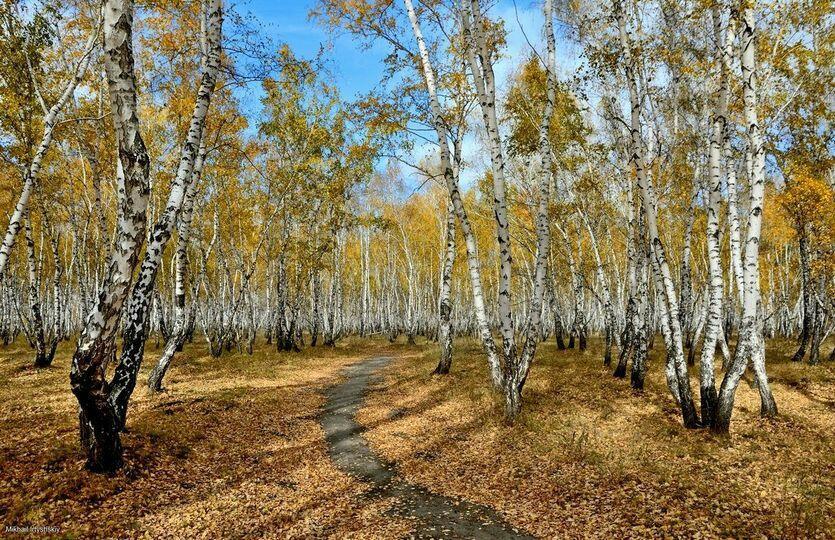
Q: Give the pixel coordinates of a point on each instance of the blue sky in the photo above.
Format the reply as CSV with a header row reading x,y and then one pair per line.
x,y
357,70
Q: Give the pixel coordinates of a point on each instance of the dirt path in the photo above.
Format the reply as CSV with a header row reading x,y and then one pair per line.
x,y
436,516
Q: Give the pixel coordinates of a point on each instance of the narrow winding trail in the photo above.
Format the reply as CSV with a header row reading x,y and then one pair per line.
x,y
435,516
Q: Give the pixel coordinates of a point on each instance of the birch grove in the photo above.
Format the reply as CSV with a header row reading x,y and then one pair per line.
x,y
653,179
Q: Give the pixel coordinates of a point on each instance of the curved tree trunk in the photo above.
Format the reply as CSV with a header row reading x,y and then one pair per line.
x,y
50,120
750,347
99,426
178,335
136,326
473,265
670,307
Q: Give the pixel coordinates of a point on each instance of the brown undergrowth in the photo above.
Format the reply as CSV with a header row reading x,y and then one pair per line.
x,y
590,457
233,449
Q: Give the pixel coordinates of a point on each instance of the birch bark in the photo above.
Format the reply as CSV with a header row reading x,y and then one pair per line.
x,y
533,332
707,384
608,308
479,59
727,54
178,335
98,421
670,308
50,120
444,305
750,346
44,352
136,326
451,181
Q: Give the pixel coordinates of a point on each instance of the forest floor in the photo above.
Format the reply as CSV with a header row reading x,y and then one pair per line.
x,y
590,457
235,448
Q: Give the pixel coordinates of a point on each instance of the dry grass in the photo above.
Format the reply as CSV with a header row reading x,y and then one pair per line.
x,y
591,458
232,450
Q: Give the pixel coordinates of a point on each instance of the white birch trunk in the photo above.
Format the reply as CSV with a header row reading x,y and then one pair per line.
x,y
481,67
670,309
451,180
707,384
99,424
533,331
730,169
751,345
135,332
608,308
50,121
444,305
178,335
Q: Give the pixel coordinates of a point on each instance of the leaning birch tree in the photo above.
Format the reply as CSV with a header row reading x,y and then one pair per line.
x,y
750,348
479,56
99,426
451,180
674,342
50,122
136,324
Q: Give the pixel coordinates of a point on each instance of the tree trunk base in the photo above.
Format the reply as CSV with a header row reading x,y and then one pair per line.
x,y
768,407
710,403
637,381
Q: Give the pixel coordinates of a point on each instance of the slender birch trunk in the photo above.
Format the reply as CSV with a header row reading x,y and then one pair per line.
x,y
533,331
316,313
751,346
716,293
727,54
410,289
98,421
44,352
136,327
555,311
819,319
479,59
608,308
639,324
629,337
366,277
178,335
686,270
444,305
50,120
806,294
670,309
451,180
578,324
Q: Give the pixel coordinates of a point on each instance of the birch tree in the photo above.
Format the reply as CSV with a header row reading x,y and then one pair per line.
x,y
441,130
179,333
714,312
135,332
98,419
751,346
50,122
670,309
608,308
480,61
445,331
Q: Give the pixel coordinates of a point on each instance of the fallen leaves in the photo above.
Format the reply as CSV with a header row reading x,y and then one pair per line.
x,y
233,450
590,458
